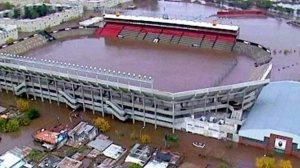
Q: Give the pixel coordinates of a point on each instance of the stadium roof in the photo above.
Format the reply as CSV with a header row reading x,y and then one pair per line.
x,y
173,21
276,111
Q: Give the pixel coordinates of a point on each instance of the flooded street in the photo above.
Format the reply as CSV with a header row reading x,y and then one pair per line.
x,y
239,155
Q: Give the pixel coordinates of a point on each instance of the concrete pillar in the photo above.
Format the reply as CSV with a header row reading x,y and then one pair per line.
x,y
102,101
41,90
132,108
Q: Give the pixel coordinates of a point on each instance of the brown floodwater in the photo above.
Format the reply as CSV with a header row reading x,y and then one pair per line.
x,y
240,156
173,68
273,33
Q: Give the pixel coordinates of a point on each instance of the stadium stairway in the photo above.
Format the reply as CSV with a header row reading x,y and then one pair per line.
x,y
165,38
208,41
151,37
190,41
224,43
129,34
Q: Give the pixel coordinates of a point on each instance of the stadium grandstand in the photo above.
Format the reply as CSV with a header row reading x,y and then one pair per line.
x,y
217,111
168,31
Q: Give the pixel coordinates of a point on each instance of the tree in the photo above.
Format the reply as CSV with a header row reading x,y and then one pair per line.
x,y
264,4
8,5
12,125
3,125
36,155
223,165
265,162
32,114
171,139
9,40
285,164
133,136
22,105
26,12
24,121
134,165
145,139
17,13
102,124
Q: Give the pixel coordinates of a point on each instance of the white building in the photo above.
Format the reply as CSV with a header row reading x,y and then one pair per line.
x,y
8,32
91,4
295,7
21,2
30,25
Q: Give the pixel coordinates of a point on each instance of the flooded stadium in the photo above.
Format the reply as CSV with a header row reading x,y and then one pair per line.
x,y
173,68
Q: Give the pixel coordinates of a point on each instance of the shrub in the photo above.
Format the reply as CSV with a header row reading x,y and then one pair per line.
x,y
12,125
285,164
24,121
265,162
134,165
3,125
9,40
145,139
32,114
133,136
102,124
36,155
22,105
8,5
223,165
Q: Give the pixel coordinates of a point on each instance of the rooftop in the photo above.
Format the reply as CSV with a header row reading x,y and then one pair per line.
x,y
47,136
173,21
275,111
114,151
139,154
69,162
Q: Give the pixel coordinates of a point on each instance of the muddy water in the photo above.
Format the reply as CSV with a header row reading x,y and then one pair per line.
x,y
239,155
172,68
270,32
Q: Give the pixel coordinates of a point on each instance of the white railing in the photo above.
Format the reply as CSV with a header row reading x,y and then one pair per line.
x,y
78,70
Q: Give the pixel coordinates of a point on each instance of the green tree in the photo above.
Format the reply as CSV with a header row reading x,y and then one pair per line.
x,y
3,125
17,13
134,165
36,155
171,139
12,125
26,12
32,114
264,4
24,121
8,5
223,165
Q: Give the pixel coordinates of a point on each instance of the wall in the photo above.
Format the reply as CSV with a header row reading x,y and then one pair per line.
x,y
21,2
28,25
91,5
